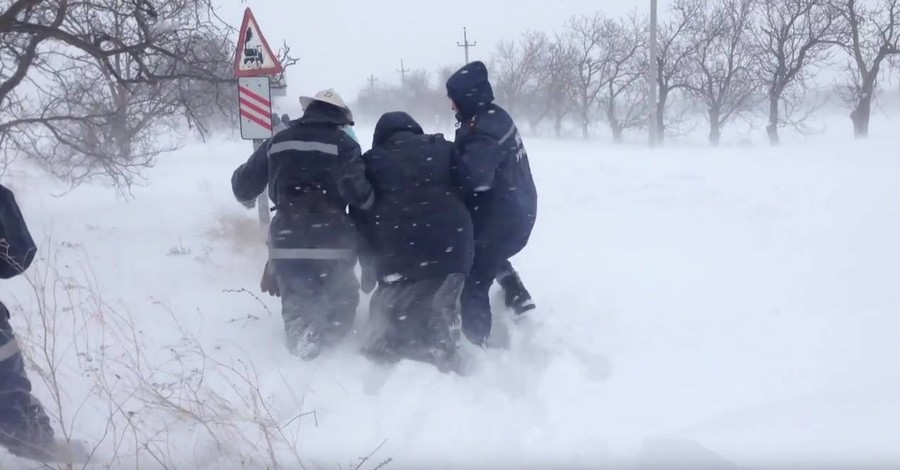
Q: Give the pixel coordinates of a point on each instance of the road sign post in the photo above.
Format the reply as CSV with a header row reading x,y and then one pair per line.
x,y
254,65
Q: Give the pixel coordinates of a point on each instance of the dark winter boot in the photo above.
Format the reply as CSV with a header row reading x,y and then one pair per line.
x,y
25,432
25,429
515,293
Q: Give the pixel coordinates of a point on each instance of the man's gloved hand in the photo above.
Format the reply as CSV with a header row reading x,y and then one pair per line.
x,y
367,280
268,284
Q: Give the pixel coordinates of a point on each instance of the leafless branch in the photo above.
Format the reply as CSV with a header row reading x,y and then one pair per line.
x,y
105,79
624,59
723,77
791,37
870,35
515,69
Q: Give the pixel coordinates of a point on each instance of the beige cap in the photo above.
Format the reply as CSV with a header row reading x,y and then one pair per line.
x,y
327,96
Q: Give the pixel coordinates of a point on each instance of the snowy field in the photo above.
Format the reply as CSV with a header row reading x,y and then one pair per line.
x,y
734,307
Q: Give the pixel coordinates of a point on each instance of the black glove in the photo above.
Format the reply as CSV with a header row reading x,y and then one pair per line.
x,y
250,204
268,284
367,280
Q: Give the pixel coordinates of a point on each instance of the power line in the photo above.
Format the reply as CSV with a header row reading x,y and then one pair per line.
x,y
466,44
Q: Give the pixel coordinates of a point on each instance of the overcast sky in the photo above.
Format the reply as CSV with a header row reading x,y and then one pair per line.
x,y
341,42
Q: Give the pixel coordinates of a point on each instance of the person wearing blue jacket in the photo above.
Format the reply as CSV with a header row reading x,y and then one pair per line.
x,y
313,171
493,167
419,245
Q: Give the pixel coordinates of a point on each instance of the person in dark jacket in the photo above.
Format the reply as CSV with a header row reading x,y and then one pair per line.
x,y
24,426
494,170
313,170
420,244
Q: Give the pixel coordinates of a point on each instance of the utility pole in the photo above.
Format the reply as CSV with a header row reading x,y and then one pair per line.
x,y
466,44
653,78
403,74
372,81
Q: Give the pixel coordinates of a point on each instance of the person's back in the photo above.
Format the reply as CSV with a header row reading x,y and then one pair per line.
x,y
313,171
304,160
422,247
423,228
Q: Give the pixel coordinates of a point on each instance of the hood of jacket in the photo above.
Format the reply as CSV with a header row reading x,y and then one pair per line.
x,y
470,89
392,123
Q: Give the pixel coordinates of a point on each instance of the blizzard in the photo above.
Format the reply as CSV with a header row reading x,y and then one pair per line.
x,y
727,307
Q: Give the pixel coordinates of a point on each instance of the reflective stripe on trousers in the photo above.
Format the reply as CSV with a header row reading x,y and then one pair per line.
x,y
312,253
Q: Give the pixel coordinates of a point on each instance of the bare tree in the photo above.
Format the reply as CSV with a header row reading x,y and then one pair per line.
x,y
417,83
418,95
73,74
792,37
442,101
676,56
724,79
515,68
585,38
211,104
556,77
870,35
109,129
624,62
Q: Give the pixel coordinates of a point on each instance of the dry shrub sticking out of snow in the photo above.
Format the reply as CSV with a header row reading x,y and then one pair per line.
x,y
134,403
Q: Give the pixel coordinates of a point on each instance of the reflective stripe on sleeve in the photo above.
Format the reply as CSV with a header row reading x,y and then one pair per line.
x,y
9,350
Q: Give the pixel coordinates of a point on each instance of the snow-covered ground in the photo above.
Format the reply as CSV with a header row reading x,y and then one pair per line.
x,y
735,306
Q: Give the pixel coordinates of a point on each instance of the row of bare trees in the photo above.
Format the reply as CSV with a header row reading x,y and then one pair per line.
x,y
414,94
99,87
722,58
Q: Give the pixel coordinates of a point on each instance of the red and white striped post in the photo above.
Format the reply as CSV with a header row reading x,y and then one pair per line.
x,y
255,104
254,63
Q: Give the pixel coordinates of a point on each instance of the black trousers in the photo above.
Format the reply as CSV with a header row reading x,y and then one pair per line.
x,y
417,320
491,258
318,302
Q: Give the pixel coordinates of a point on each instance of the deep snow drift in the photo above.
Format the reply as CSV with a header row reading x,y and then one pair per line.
x,y
694,304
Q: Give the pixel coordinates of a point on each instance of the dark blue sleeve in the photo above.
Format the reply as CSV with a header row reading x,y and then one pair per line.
x,y
361,216
17,247
249,180
365,248
477,158
352,181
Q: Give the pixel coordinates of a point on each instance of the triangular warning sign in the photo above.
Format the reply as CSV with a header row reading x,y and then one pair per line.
x,y
254,57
